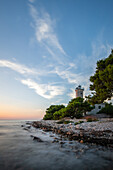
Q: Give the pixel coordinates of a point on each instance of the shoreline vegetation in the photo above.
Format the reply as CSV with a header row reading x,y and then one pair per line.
x,y
82,130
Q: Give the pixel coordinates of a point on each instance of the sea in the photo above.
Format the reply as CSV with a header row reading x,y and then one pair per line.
x,y
18,150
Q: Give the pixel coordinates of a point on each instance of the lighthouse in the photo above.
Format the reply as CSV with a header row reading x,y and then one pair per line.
x,y
79,91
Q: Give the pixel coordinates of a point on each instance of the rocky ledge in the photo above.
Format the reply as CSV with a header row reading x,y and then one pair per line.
x,y
98,132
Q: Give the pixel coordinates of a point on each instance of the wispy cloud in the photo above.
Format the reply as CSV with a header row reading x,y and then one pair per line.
x,y
17,67
32,1
72,78
44,31
45,90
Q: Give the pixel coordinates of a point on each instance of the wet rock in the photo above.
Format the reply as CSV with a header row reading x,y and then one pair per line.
x,y
25,128
81,141
55,141
37,139
28,127
61,142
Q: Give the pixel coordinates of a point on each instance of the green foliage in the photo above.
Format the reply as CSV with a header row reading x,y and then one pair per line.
x,y
76,108
78,115
91,119
108,109
102,81
59,114
60,122
64,122
51,110
76,123
67,122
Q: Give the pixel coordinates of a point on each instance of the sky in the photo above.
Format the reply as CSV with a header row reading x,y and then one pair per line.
x,y
47,49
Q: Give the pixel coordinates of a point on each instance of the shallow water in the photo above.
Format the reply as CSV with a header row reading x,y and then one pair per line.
x,y
18,151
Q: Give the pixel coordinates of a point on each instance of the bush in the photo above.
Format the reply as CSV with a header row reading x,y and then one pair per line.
x,y
78,115
51,110
76,123
108,109
67,122
91,119
64,121
60,122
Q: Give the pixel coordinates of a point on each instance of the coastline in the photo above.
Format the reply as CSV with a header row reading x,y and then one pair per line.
x,y
97,132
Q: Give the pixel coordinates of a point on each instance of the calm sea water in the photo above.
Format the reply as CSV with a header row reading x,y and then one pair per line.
x,y
18,151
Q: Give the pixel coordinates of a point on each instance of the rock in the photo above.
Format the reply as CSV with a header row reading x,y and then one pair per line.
x,y
55,141
59,131
28,127
69,133
37,139
25,128
62,142
81,141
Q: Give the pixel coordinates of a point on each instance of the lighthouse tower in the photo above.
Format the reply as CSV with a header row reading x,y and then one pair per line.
x,y
79,91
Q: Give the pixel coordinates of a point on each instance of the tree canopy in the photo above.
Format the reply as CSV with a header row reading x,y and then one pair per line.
x,y
76,108
51,110
102,81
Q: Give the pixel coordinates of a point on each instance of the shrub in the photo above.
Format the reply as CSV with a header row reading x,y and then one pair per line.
x,y
51,110
64,121
91,119
60,122
78,115
67,122
108,109
76,123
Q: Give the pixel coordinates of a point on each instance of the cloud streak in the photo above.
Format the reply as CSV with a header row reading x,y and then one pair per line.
x,y
45,90
72,78
17,67
32,1
45,34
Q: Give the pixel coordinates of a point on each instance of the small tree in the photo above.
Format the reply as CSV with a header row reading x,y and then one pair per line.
x,y
78,106
51,110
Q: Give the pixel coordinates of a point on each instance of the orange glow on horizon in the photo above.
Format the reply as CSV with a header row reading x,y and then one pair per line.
x,y
12,112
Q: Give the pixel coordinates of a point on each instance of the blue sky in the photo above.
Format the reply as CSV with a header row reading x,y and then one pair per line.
x,y
47,48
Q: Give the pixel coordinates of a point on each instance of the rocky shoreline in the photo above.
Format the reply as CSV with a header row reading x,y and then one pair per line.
x,y
98,132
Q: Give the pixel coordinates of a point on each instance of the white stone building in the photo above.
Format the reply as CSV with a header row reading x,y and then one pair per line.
x,y
97,108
